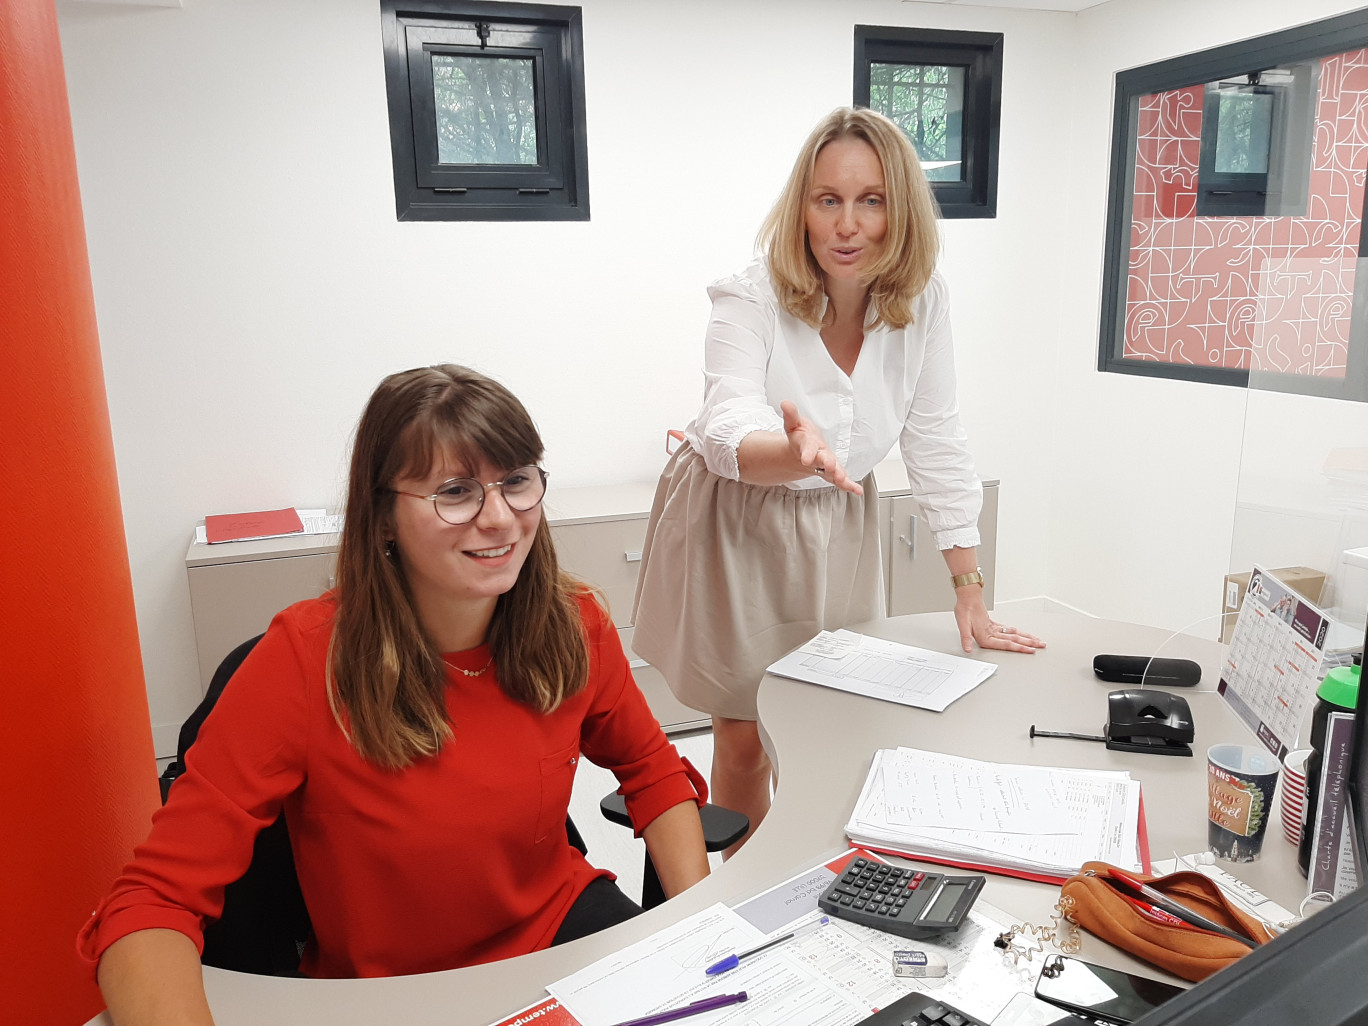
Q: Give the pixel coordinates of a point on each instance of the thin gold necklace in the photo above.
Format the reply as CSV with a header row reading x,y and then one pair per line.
x,y
476,673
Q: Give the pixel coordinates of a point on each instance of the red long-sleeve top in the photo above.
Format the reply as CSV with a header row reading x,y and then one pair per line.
x,y
458,859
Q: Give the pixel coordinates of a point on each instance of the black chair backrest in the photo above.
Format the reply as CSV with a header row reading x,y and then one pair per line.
x,y
264,923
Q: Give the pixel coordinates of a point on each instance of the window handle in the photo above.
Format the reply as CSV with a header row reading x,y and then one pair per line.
x,y
534,192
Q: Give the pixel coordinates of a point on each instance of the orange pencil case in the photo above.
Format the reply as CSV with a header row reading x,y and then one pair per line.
x,y
1185,951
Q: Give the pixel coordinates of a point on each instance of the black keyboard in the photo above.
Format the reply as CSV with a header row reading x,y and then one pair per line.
x,y
918,1009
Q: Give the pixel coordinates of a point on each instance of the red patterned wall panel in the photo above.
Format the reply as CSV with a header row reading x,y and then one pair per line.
x,y
1256,293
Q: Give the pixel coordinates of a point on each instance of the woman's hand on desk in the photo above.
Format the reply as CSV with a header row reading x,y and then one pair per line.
x,y
976,625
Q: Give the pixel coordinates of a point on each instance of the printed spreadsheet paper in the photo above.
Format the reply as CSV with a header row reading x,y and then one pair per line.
x,y
989,824
856,960
1274,663
860,960
884,669
666,970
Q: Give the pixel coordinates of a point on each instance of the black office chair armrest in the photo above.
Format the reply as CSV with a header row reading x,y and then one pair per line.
x,y
721,829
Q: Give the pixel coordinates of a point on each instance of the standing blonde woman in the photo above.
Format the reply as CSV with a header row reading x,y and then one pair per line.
x,y
818,358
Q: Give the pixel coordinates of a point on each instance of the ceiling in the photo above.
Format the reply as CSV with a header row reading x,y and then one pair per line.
x,y
1030,5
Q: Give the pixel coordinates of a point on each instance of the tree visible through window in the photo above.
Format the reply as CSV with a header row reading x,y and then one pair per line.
x,y
486,110
927,102
1245,118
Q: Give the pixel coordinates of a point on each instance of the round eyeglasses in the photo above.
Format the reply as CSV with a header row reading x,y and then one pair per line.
x,y
460,500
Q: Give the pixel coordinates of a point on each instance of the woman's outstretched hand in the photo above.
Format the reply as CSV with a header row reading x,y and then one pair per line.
x,y
976,625
810,449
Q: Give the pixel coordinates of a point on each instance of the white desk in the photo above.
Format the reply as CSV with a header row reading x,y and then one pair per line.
x,y
822,741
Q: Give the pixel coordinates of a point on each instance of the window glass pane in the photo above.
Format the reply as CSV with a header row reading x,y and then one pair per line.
x,y
1242,135
486,109
927,102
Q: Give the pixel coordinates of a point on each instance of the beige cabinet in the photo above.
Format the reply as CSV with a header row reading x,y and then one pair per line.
x,y
914,570
236,587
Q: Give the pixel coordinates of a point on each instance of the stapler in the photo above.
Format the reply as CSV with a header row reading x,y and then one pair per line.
x,y
1143,720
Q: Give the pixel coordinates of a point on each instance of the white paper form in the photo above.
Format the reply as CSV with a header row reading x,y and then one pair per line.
x,y
667,971
1105,807
776,910
965,794
1273,666
884,669
860,960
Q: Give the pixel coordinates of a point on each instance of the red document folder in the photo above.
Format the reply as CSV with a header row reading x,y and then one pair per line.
x,y
244,526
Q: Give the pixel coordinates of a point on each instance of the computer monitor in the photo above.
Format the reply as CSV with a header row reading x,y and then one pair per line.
x,y
1314,974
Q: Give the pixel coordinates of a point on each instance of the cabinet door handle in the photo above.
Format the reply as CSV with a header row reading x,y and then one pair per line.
x,y
910,538
632,557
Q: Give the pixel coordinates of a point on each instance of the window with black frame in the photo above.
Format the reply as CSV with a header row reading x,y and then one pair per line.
x,y
944,89
1257,131
486,108
1235,252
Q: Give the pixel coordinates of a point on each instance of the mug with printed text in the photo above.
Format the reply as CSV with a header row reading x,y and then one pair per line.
x,y
1240,784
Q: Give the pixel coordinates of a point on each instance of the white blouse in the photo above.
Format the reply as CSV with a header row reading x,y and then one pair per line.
x,y
902,389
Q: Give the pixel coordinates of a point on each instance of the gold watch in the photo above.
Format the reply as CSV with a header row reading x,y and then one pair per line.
x,y
960,580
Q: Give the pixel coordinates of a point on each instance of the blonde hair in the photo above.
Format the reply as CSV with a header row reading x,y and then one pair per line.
x,y
386,680
911,244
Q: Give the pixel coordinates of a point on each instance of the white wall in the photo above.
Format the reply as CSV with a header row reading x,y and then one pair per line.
x,y
1146,473
252,283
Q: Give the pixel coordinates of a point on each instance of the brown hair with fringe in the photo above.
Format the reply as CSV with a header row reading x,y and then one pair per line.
x,y
911,244
386,680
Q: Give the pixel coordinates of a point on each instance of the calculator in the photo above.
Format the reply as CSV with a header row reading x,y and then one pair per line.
x,y
906,902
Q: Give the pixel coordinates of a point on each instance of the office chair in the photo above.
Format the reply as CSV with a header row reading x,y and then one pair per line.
x,y
264,924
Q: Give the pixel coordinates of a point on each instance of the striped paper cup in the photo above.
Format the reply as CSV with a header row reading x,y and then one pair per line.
x,y
1293,803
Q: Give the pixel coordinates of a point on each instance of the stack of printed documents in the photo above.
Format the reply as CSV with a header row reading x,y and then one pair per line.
x,y
1034,821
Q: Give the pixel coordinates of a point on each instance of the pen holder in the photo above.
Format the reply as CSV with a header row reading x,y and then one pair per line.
x,y
1185,951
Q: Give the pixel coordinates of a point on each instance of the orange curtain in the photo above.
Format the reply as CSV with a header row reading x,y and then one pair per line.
x,y
77,771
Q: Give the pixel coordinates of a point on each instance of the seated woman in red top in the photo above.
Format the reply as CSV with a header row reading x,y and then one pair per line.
x,y
419,726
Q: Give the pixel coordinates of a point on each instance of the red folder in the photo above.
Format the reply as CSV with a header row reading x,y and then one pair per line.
x,y
546,1012
244,526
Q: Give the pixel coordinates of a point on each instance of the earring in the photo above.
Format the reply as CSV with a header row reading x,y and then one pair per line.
x,y
389,548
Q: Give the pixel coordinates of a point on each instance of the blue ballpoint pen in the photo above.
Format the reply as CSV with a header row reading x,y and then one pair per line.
x,y
696,1008
731,961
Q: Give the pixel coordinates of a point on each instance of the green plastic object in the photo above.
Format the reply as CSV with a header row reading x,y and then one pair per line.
x,y
1340,687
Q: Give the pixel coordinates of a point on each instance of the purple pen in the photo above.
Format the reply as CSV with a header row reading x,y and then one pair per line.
x,y
697,1008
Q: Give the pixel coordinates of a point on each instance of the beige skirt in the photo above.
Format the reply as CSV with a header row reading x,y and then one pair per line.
x,y
734,575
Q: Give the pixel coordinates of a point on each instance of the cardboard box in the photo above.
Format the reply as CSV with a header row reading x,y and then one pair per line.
x,y
1303,580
